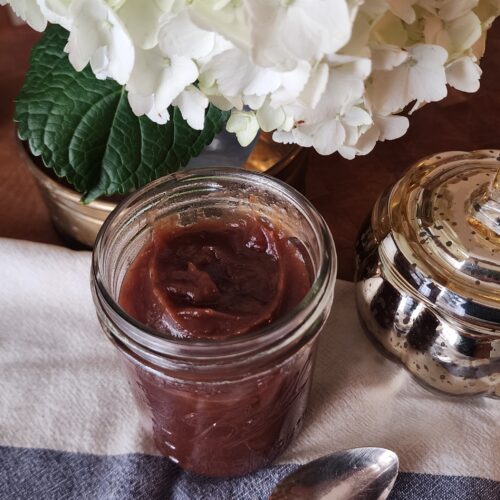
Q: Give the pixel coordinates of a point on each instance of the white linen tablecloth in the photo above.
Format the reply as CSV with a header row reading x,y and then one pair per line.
x,y
69,427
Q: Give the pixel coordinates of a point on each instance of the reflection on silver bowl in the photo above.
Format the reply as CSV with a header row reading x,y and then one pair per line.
x,y
428,273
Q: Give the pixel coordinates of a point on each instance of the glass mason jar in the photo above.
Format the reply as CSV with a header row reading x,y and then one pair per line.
x,y
217,407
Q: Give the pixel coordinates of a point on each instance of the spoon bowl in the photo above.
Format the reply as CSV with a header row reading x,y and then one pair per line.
x,y
358,473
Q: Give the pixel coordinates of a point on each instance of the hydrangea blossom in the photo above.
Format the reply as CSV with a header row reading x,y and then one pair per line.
x,y
331,74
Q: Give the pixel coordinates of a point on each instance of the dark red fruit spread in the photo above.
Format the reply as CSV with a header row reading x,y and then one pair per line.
x,y
215,279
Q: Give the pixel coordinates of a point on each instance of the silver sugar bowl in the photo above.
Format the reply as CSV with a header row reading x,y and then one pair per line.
x,y
428,272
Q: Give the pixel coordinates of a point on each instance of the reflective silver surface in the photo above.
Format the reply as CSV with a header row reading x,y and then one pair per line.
x,y
428,272
359,473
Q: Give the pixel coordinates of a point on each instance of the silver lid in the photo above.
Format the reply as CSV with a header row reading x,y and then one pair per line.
x,y
431,258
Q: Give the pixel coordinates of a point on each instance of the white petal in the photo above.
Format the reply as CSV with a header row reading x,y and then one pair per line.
x,y
352,134
326,137
288,124
347,152
329,137
427,78
359,67
159,117
253,101
29,11
391,127
357,116
464,74
244,124
387,57
403,9
361,32
315,86
390,30
143,20
220,45
453,9
181,37
180,73
435,32
464,32
292,84
209,87
364,145
285,32
141,105
226,18
99,62
224,104
388,92
345,86
97,28
235,75
428,55
57,12
479,48
270,118
144,105
303,137
283,137
374,9
192,104
147,71
156,81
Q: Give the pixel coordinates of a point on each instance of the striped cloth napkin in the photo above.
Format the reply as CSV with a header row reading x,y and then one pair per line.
x,y
69,427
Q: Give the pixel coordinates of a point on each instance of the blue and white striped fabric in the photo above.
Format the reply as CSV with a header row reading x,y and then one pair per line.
x,y
69,428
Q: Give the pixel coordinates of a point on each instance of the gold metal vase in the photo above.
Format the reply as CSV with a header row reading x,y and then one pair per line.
x,y
80,223
428,272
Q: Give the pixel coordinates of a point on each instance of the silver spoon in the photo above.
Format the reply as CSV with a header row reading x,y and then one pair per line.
x,y
357,474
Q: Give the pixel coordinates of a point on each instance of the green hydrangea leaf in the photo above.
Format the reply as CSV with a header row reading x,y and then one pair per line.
x,y
84,129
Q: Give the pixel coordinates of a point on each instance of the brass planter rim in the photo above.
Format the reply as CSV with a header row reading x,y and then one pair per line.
x,y
73,196
63,191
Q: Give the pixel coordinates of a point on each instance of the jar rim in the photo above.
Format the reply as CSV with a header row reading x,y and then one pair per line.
x,y
151,340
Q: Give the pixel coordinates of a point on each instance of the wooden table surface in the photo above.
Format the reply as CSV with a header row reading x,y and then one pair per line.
x,y
343,191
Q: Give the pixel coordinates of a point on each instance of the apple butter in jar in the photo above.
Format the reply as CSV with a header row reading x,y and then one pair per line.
x,y
214,286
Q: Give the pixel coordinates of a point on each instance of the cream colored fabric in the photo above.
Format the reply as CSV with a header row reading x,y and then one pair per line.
x,y
61,386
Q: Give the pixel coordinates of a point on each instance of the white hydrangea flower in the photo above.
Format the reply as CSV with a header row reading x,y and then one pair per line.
x,y
328,74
